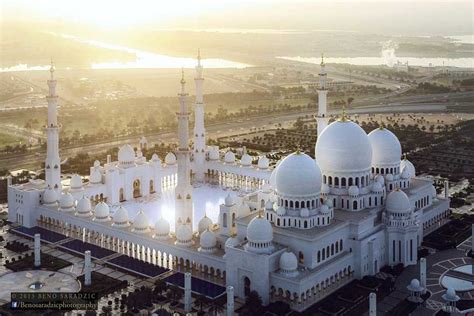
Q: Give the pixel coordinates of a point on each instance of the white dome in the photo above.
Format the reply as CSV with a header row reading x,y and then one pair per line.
x,y
298,175
389,177
229,201
325,189
155,158
415,283
259,230
96,163
66,202
84,207
229,157
405,163
377,187
126,153
246,160
140,223
214,153
263,162
380,179
184,234
281,211
50,197
232,241
328,203
121,217
204,223
95,177
102,212
162,228
273,175
269,205
76,182
433,192
343,146
324,209
398,202
353,190
304,212
244,209
170,159
405,173
207,240
386,148
450,295
288,262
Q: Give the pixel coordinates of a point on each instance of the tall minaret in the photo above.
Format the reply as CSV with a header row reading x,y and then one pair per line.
x,y
52,163
322,118
184,202
199,128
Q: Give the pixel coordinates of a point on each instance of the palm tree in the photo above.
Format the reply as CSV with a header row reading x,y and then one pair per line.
x,y
160,286
200,300
253,303
217,306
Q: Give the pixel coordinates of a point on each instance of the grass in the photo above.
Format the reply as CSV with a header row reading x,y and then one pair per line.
x,y
48,262
7,139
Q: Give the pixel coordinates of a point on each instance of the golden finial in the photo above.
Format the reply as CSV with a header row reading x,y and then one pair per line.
x,y
182,76
343,117
381,125
404,156
260,213
322,59
233,234
199,56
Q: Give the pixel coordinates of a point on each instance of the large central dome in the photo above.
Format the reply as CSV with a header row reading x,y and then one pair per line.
x,y
343,146
298,175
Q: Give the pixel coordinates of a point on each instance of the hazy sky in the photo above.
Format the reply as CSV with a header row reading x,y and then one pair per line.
x,y
450,17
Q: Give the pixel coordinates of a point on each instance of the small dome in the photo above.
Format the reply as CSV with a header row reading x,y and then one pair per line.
x,y
386,148
324,209
380,179
328,203
288,262
281,211
139,153
155,158
214,153
244,209
405,163
259,230
84,207
126,154
140,223
415,283
389,177
325,189
405,173
170,159
414,286
50,197
263,162
121,217
304,212
343,146
232,241
353,190
102,212
66,202
246,160
184,234
377,187
433,192
398,202
76,182
450,295
298,175
229,201
95,177
229,157
162,228
269,205
96,163
204,223
208,240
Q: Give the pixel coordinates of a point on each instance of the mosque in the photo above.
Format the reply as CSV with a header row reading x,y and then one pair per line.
x,y
295,232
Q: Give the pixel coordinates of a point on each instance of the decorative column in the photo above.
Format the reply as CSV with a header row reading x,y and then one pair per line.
x,y
423,274
87,268
187,292
372,304
37,250
230,301
199,128
322,118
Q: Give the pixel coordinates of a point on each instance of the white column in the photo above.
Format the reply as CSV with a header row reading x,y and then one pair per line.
x,y
230,301
37,250
472,239
87,267
423,274
372,304
187,292
446,189
322,119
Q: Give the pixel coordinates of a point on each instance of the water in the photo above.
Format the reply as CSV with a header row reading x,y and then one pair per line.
x,y
464,39
372,61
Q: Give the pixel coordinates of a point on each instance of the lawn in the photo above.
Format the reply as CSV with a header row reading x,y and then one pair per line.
x,y
48,262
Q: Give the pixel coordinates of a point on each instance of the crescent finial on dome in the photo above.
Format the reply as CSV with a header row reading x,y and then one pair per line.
x,y
404,156
381,126
343,117
322,59
260,213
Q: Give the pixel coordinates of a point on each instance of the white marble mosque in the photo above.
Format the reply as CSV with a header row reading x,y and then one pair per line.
x,y
294,232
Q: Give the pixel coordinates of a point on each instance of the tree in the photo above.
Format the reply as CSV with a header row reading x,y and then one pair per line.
x,y
217,306
253,303
160,286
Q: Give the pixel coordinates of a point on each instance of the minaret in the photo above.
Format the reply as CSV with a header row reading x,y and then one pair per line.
x,y
322,118
52,163
199,128
184,202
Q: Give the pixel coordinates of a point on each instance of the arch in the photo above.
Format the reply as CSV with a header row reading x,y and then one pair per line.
x,y
136,188
301,257
152,186
233,219
247,286
224,220
354,205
